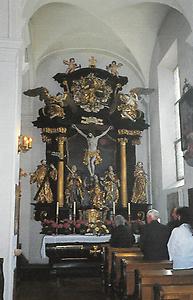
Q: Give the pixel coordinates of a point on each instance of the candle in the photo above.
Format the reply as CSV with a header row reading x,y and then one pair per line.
x,y
25,141
57,209
113,207
74,209
29,142
129,208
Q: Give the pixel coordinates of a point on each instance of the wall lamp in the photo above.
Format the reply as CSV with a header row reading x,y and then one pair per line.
x,y
24,143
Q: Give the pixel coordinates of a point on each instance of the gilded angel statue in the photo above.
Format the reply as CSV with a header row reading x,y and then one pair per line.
x,y
127,104
113,68
54,105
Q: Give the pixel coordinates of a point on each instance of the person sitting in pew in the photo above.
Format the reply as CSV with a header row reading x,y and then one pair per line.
x,y
121,236
174,222
180,244
154,238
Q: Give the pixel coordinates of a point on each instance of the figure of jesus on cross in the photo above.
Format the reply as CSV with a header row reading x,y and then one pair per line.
x,y
92,155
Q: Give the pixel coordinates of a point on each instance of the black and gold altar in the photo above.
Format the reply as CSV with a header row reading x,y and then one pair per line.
x,y
91,130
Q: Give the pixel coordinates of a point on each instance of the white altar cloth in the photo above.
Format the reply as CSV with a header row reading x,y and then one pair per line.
x,y
72,238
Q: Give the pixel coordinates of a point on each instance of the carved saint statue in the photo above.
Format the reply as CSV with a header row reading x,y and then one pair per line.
x,y
111,186
74,185
139,188
92,155
97,195
41,176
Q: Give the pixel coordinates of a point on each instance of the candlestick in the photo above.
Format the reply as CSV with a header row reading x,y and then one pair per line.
x,y
129,208
74,209
114,208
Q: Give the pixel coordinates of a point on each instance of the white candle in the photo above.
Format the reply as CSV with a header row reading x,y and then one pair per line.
x,y
57,209
129,209
113,207
74,209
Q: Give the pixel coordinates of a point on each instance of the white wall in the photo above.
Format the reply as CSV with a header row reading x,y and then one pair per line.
x,y
10,64
174,28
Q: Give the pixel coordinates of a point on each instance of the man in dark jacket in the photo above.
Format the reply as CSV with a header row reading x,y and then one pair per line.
x,y
154,238
121,236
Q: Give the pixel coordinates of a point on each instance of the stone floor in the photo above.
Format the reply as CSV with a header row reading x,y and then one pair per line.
x,y
64,288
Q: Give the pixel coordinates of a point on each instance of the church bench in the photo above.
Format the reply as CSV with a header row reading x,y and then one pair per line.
x,y
173,292
146,280
129,282
117,261
108,262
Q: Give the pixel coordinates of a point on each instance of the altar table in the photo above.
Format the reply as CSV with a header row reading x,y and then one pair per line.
x,y
72,239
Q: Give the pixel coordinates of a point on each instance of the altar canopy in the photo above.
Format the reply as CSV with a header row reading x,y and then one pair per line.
x,y
91,131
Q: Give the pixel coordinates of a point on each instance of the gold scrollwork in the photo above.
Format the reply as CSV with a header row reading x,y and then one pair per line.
x,y
54,130
122,141
129,132
46,139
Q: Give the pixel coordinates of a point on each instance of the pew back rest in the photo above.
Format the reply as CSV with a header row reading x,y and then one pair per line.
x,y
173,292
109,253
130,271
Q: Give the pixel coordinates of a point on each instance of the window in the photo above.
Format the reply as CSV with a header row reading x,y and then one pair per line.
x,y
172,161
177,143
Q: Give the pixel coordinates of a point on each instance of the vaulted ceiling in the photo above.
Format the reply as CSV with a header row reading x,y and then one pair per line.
x,y
124,28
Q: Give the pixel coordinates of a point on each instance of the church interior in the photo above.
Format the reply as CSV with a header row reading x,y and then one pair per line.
x,y
97,121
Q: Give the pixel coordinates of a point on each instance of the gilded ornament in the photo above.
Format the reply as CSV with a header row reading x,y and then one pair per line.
x,y
129,106
54,130
129,132
91,93
90,120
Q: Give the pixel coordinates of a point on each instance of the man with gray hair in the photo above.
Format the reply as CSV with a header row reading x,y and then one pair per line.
x,y
154,237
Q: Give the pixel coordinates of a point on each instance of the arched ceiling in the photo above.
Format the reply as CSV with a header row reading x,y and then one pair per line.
x,y
126,28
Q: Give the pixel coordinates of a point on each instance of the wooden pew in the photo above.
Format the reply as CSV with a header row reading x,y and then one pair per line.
x,y
108,254
128,284
173,292
117,261
146,279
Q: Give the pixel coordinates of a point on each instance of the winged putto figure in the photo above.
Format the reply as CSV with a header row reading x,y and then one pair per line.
x,y
113,68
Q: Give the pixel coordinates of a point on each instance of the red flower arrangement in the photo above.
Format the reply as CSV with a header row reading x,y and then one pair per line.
x,y
65,226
